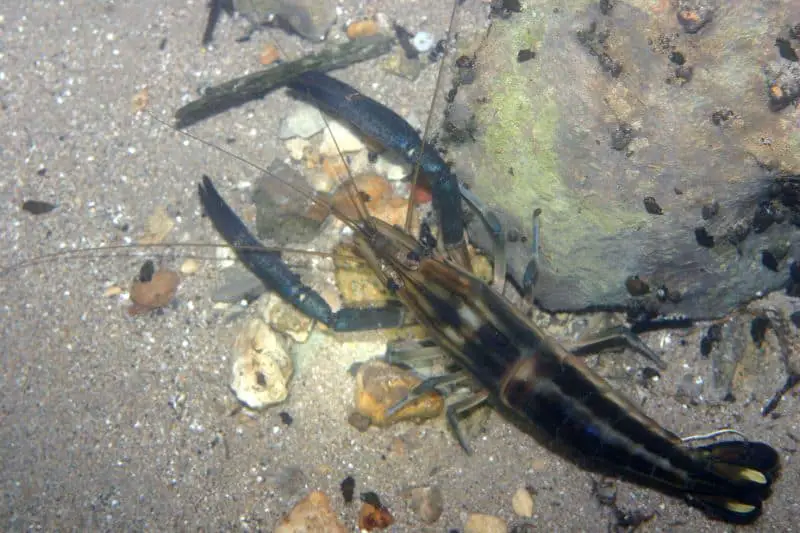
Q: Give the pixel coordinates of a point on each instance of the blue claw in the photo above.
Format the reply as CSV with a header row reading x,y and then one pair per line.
x,y
268,266
378,122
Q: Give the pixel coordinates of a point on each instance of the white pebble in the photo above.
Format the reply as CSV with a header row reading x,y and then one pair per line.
x,y
422,41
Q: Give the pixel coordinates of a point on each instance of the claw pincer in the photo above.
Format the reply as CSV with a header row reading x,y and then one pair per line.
x,y
270,268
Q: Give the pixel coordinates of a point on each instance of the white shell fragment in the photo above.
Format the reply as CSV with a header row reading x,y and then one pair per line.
x,y
297,147
422,41
392,166
347,140
303,121
262,371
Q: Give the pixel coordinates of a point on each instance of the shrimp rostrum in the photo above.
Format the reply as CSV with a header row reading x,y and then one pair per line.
x,y
521,370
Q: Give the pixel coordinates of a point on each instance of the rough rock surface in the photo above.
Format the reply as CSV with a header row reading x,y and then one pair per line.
x,y
652,150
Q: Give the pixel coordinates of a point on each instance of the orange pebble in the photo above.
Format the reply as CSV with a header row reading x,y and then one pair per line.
x,y
362,28
155,293
371,517
269,55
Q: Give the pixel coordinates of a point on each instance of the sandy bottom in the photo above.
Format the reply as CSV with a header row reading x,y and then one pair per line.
x,y
124,423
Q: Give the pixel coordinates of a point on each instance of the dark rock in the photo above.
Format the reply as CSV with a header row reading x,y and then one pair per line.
x,y
769,261
636,287
703,238
525,55
621,137
694,15
652,207
359,421
709,211
348,486
606,6
721,116
146,271
37,207
677,58
785,49
758,329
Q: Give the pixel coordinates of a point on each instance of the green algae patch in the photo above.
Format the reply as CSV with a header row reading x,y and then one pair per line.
x,y
521,166
624,150
524,167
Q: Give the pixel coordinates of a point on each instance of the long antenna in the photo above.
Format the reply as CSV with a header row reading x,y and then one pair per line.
x,y
308,192
418,163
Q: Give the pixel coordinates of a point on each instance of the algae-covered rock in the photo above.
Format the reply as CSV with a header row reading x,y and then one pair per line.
x,y
653,151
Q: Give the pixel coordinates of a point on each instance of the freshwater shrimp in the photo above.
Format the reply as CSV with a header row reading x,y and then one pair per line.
x,y
91,352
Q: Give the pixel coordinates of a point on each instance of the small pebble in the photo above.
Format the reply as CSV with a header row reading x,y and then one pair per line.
x,y
346,140
636,286
190,266
226,256
362,28
156,293
140,100
605,490
312,513
652,207
269,54
428,503
392,167
621,137
423,41
525,55
303,121
379,386
157,227
359,421
539,465
348,486
113,290
693,17
522,503
484,523
297,148
146,271
37,207
372,517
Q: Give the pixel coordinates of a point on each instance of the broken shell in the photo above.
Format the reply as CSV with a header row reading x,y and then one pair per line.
x,y
261,373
